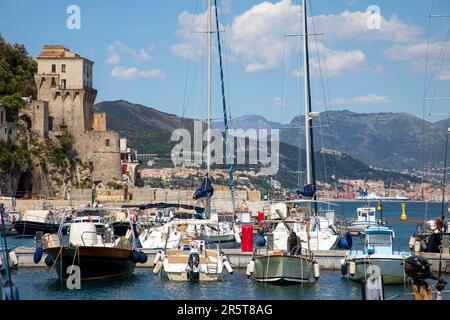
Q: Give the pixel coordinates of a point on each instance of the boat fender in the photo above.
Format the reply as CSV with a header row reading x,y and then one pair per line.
x,y
261,240
6,292
412,242
38,255
250,267
237,237
157,258
316,270
49,261
135,257
157,267
226,263
143,257
13,258
352,268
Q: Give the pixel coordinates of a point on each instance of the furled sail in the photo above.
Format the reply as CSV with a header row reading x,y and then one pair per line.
x,y
205,191
308,191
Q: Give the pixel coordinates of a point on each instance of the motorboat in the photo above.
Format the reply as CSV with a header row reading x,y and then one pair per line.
x,y
193,259
95,215
377,251
98,255
365,218
32,221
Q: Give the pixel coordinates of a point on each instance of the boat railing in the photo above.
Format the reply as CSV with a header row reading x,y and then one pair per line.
x,y
363,247
105,237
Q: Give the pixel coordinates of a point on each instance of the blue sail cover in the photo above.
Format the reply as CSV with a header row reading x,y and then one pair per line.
x,y
308,191
205,191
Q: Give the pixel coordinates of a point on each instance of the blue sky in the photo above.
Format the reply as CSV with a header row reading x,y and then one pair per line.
x,y
145,52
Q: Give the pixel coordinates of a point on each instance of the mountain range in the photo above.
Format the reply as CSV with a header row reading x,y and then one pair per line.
x,y
149,130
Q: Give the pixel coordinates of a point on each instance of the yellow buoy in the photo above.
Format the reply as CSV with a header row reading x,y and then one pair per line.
x,y
403,217
379,206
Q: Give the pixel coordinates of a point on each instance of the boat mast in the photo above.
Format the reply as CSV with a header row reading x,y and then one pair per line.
x,y
310,172
208,120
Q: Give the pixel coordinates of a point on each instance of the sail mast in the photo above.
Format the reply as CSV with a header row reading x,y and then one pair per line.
x,y
208,120
310,175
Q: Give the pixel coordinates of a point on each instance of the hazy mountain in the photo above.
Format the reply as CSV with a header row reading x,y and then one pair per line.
x,y
386,140
248,122
443,123
149,131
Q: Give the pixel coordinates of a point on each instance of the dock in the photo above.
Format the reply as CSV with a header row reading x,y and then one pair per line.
x,y
328,260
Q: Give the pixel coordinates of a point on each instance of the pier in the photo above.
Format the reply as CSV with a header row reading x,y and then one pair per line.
x,y
328,260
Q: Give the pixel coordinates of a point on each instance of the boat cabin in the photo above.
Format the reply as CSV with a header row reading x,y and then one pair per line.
x,y
378,240
42,216
366,214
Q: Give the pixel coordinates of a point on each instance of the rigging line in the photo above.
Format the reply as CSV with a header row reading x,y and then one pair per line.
x,y
323,89
184,102
424,104
225,118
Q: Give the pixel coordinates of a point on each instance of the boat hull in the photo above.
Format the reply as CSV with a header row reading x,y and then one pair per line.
x,y
183,276
94,262
277,268
30,228
392,269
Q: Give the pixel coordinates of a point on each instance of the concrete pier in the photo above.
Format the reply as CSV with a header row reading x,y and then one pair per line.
x,y
328,260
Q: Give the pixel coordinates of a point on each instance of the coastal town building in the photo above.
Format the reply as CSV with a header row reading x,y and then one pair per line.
x,y
7,129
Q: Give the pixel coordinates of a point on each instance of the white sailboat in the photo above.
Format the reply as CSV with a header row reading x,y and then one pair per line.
x,y
190,260
285,259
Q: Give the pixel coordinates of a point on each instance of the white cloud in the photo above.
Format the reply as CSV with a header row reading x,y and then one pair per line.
x,y
124,73
256,37
118,47
353,26
113,59
362,100
416,55
335,62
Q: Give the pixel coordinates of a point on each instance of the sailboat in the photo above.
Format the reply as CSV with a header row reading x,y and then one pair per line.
x,y
290,261
191,260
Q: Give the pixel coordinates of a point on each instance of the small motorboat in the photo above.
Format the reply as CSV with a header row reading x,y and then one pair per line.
x,y
32,221
377,251
193,259
365,218
427,236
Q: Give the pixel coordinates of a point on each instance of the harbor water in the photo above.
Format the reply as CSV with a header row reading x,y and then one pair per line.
x,y
40,283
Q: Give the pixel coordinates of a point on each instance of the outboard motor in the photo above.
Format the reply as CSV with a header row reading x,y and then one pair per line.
x,y
418,268
193,262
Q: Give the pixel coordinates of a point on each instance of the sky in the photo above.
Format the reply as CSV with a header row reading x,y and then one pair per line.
x,y
154,53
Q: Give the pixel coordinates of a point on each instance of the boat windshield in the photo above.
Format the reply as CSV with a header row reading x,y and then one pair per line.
x,y
383,240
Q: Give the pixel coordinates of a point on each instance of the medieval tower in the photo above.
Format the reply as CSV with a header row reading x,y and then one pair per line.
x,y
65,103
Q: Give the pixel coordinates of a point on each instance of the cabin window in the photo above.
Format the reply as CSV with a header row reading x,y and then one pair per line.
x,y
63,68
380,240
53,68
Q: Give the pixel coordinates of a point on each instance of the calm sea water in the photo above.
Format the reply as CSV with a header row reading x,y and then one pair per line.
x,y
143,284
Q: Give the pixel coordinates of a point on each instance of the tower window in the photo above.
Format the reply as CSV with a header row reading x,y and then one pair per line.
x,y
53,82
107,142
53,68
63,68
63,83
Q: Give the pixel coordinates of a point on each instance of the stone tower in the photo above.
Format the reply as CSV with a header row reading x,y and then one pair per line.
x,y
65,84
